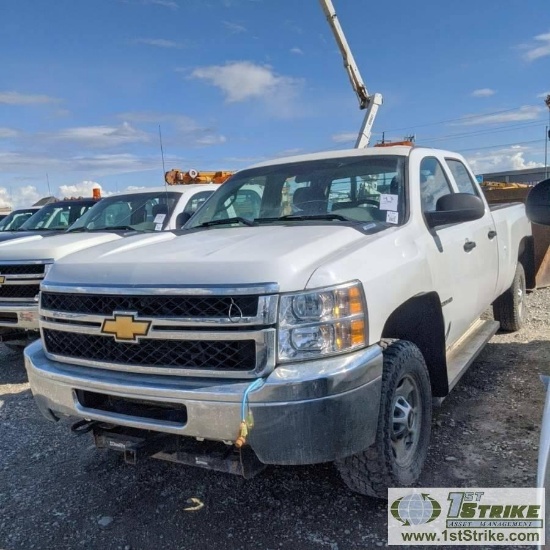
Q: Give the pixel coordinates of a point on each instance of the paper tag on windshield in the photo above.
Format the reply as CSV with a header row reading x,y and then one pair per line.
x,y
388,202
159,218
158,226
392,217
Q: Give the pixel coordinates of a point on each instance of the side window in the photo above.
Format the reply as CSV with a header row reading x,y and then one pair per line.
x,y
462,177
433,183
196,201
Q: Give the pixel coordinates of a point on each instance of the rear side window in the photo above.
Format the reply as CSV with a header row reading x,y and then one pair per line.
x,y
462,177
433,183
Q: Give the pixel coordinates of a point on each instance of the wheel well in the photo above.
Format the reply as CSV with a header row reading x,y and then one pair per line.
x,y
420,321
526,256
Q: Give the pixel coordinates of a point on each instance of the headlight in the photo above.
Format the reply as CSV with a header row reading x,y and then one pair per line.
x,y
322,322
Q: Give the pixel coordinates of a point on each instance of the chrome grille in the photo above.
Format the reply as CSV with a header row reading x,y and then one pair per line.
x,y
214,355
151,306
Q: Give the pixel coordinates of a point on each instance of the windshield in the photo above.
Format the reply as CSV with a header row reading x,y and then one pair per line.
x,y
137,211
14,220
57,216
356,189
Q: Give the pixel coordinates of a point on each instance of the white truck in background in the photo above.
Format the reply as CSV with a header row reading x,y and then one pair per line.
x,y
25,261
313,311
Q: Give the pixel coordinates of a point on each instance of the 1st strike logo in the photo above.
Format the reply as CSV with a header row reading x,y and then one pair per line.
x,y
125,327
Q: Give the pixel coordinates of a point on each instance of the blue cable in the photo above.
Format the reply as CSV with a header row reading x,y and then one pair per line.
x,y
254,386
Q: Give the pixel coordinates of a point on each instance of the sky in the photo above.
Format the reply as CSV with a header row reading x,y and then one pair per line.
x,y
85,86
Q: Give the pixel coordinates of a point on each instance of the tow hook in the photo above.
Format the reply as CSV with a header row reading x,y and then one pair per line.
x,y
83,426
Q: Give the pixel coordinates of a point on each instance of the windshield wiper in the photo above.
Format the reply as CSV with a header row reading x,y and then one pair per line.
x,y
116,227
77,230
300,217
227,221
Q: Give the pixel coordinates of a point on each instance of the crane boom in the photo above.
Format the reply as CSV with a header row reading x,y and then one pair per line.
x,y
366,101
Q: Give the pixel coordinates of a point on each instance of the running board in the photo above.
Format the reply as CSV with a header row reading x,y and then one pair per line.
x,y
465,351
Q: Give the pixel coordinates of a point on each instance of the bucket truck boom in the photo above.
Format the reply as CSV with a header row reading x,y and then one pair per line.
x,y
369,102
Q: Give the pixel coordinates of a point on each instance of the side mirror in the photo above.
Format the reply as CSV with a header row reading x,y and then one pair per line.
x,y
455,208
182,218
537,204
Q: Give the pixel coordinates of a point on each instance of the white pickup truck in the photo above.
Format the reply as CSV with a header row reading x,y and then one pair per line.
x,y
312,311
24,261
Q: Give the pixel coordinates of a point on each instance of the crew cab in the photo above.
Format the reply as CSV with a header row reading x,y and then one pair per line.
x,y
23,262
313,310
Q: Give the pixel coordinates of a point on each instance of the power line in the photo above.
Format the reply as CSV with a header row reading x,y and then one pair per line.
x,y
500,145
505,128
468,117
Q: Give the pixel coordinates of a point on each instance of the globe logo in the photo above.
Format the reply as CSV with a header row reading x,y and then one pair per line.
x,y
415,509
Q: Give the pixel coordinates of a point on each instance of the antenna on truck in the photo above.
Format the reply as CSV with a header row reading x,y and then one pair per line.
x,y
369,102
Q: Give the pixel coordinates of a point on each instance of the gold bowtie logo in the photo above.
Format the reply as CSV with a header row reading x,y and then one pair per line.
x,y
2,279
125,328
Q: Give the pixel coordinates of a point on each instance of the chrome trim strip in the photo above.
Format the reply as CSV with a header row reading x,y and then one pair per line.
x,y
21,281
30,301
163,290
12,277
26,262
267,315
265,356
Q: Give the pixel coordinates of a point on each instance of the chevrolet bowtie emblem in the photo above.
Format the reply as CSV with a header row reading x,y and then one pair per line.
x,y
125,328
2,279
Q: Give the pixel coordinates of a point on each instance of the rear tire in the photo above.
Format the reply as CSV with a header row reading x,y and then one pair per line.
x,y
404,426
509,308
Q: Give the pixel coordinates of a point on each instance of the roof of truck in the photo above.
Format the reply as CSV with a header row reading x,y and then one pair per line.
x,y
170,189
402,150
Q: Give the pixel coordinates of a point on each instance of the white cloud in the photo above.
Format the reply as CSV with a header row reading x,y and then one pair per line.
x,y
244,80
82,189
182,129
235,28
344,137
159,42
100,136
16,98
540,47
164,3
527,112
510,158
483,92
6,133
297,51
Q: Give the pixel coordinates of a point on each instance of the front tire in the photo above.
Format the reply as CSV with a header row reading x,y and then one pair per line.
x,y
404,426
509,308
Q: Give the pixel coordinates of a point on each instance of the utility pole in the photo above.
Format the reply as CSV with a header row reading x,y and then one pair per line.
x,y
546,138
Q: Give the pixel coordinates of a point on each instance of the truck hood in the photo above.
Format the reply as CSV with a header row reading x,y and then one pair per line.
x,y
51,247
10,235
281,254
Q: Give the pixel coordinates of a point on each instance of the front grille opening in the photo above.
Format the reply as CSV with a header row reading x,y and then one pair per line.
x,y
8,317
214,355
21,269
153,306
167,412
19,291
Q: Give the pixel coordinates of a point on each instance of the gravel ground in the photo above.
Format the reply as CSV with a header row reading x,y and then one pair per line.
x,y
57,491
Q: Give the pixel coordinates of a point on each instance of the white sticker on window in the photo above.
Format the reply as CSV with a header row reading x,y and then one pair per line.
x,y
389,202
158,226
159,218
392,217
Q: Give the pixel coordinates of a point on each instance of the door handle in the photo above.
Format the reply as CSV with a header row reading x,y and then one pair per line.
x,y
492,234
469,245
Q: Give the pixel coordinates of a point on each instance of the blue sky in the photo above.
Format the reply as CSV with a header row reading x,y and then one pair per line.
x,y
85,85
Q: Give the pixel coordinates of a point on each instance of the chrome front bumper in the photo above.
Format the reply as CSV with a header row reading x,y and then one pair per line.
x,y
315,411
19,315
